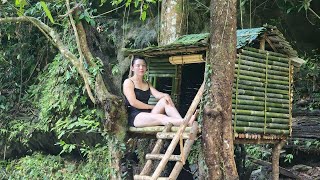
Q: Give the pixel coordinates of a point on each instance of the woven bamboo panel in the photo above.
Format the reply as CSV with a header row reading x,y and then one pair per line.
x,y
160,68
261,101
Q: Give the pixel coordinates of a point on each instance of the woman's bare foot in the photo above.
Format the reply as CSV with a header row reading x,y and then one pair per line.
x,y
193,117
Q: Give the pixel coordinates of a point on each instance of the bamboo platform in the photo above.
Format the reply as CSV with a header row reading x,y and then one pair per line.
x,y
156,129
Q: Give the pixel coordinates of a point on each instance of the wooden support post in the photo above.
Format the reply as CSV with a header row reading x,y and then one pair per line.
x,y
275,159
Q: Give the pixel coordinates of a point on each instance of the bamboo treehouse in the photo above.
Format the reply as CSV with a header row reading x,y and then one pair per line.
x,y
262,89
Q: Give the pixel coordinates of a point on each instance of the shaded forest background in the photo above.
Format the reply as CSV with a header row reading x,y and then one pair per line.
x,y
48,125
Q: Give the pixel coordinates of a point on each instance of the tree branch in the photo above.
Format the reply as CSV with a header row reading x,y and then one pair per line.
x,y
75,31
314,13
101,90
70,11
58,43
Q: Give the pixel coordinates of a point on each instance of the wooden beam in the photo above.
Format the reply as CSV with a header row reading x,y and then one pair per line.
x,y
271,44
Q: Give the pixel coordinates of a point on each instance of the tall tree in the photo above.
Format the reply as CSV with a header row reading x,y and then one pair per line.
x,y
173,18
217,130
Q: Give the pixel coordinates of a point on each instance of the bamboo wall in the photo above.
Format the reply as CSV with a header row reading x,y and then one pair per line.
x,y
261,101
160,70
262,93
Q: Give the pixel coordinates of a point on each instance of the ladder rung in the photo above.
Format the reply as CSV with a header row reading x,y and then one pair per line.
x,y
170,135
160,156
140,177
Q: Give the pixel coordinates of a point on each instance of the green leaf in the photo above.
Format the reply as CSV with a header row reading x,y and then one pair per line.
x,y
143,15
20,4
47,11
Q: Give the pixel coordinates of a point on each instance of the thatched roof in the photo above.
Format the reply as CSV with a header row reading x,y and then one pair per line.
x,y
193,43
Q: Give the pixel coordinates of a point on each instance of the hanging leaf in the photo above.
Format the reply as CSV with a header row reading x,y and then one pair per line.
x,y
47,11
20,4
143,15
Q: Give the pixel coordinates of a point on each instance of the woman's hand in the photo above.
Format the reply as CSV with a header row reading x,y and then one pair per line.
x,y
168,99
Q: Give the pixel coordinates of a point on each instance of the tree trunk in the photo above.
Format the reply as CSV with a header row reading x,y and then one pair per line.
x,y
173,18
217,130
275,159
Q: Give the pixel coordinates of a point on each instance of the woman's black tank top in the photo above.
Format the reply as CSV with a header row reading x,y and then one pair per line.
x,y
142,96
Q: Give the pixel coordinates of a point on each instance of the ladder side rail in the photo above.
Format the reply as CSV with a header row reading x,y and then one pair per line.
x,y
186,150
156,150
176,138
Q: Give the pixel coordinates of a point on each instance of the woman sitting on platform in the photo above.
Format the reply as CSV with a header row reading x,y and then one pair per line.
x,y
137,93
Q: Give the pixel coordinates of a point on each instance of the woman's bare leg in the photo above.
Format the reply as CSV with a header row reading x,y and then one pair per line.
x,y
149,119
163,107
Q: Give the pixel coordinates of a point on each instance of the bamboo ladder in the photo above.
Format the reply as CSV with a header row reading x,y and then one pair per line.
x,y
176,137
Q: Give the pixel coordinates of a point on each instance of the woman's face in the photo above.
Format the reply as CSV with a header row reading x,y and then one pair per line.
x,y
139,67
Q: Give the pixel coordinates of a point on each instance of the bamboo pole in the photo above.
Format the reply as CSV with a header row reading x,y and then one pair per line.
x,y
187,148
261,65
256,98
261,89
170,135
260,93
260,60
262,75
161,75
261,125
259,103
256,79
260,113
259,55
155,129
261,119
162,66
261,108
156,150
165,71
261,130
270,52
160,156
176,138
260,84
262,70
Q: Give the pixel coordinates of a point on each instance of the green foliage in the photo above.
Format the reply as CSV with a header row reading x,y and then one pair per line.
x,y
39,166
20,4
141,5
288,158
46,10
87,15
262,152
307,81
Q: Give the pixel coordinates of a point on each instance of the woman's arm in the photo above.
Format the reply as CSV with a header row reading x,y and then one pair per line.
x,y
159,95
128,91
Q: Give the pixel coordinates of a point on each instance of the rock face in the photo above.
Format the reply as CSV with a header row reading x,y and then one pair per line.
x,y
307,172
306,127
261,174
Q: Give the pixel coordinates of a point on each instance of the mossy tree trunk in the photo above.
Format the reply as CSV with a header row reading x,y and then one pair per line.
x,y
173,20
217,130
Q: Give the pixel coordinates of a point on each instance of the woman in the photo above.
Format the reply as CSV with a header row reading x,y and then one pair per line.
x,y
137,93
